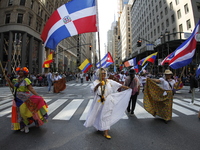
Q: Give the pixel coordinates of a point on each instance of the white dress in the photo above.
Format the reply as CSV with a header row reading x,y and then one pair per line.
x,y
103,115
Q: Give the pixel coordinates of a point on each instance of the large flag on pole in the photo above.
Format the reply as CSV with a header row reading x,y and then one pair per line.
x,y
183,55
85,66
49,60
131,62
105,61
72,18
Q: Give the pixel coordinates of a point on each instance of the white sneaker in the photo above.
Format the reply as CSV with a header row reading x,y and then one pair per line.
x,y
26,129
191,103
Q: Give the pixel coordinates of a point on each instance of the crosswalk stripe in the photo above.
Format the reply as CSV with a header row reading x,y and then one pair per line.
x,y
69,110
4,101
141,113
52,107
141,100
186,104
70,84
84,115
183,110
5,112
5,105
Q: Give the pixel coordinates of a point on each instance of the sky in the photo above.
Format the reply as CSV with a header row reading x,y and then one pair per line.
x,y
106,10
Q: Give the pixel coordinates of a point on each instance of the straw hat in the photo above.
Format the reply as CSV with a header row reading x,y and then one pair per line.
x,y
168,71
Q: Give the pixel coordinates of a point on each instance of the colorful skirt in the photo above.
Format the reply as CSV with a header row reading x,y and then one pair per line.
x,y
59,85
32,110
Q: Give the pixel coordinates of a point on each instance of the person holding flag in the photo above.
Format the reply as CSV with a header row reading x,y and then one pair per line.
x,y
109,105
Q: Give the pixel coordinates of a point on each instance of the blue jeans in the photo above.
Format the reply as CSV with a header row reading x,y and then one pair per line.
x,y
49,85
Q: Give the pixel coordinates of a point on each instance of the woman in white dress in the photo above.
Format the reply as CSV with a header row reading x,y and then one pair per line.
x,y
109,105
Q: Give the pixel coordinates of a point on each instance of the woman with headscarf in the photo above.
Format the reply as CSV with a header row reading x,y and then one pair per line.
x,y
158,100
109,105
28,106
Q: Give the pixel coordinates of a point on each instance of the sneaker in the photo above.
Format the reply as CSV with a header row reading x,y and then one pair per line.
x,y
26,129
132,114
191,103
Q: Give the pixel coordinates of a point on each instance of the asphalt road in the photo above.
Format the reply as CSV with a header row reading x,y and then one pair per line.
x,y
141,132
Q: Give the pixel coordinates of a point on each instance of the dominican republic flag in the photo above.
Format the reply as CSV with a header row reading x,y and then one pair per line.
x,y
131,62
105,61
166,60
198,71
72,18
183,55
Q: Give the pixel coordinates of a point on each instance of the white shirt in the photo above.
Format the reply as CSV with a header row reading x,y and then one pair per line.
x,y
165,84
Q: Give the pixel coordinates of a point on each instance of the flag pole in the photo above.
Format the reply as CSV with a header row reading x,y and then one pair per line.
x,y
176,86
98,35
5,75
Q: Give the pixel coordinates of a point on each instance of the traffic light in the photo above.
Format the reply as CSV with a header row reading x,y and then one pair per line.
x,y
90,47
139,43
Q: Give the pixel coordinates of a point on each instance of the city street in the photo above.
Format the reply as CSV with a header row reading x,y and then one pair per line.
x,y
67,113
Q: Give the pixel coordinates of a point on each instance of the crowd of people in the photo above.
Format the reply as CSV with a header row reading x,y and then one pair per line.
x,y
114,94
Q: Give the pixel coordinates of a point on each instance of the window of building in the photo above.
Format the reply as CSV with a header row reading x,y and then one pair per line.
x,y
153,12
188,24
22,2
150,24
186,8
198,6
154,32
167,23
154,21
173,18
161,14
156,8
179,14
177,2
171,6
29,20
158,29
157,18
164,1
160,4
10,2
180,28
174,30
20,18
162,26
166,10
32,2
7,18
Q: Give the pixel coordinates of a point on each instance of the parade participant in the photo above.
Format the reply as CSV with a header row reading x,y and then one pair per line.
x,y
49,80
28,106
81,77
133,82
122,77
143,80
59,83
108,105
158,99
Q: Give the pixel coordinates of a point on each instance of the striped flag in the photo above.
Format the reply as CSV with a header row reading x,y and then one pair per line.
x,y
85,66
105,61
72,18
183,55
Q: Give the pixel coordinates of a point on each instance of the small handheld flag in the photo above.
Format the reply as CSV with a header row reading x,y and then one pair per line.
x,y
105,61
85,66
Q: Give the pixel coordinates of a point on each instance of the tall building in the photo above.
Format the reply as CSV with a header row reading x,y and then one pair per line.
x,y
165,24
